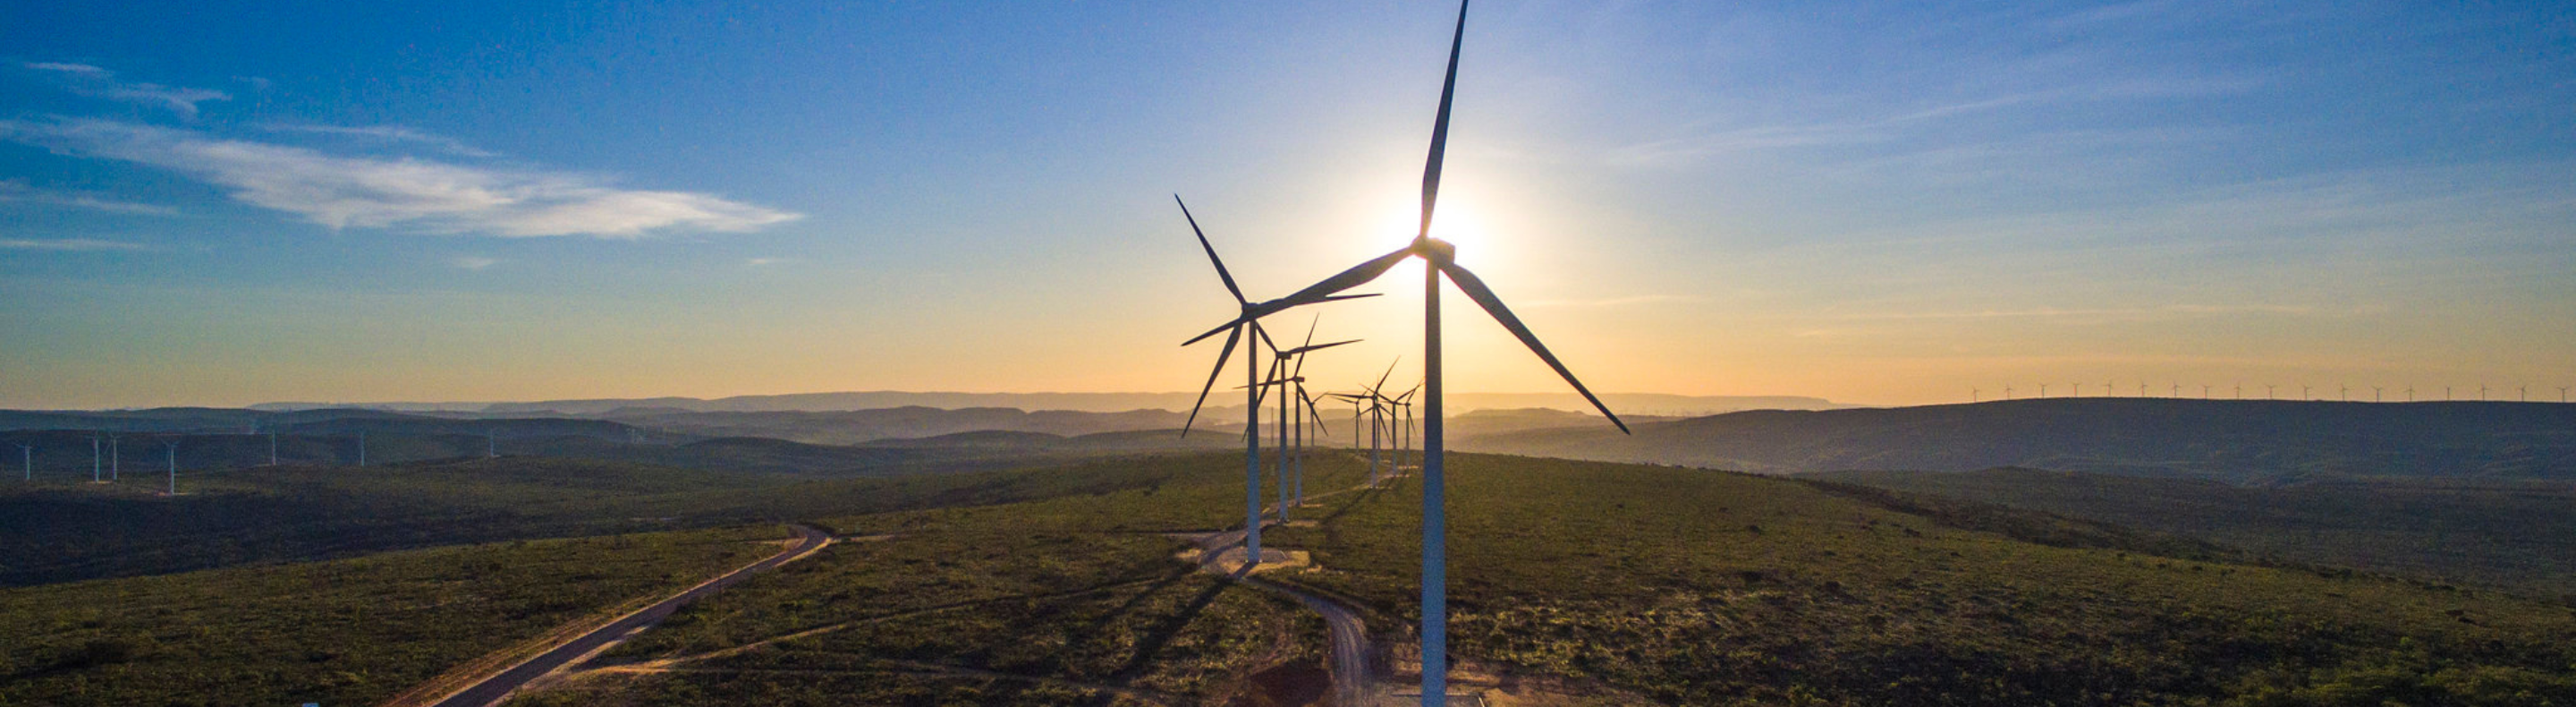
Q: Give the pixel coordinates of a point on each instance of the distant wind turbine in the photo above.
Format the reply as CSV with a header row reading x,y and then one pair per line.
x,y
491,443
362,447
2303,392
2079,391
1973,395
93,459
2562,393
2374,394
2267,391
2043,390
2007,392
174,466
27,459
1439,259
115,460
1248,319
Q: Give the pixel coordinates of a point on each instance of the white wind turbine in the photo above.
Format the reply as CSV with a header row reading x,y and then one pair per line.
x,y
1439,258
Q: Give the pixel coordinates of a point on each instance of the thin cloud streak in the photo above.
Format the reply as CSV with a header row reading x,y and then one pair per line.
x,y
71,245
407,193
95,82
390,133
17,191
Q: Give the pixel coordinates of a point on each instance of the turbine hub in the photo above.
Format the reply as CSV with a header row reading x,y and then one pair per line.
x,y
1439,252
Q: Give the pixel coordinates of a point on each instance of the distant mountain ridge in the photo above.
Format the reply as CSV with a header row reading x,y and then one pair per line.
x,y
1624,403
2239,441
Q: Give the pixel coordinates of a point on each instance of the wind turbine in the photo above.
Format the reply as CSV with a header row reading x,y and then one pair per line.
x,y
93,459
27,459
174,466
1284,374
2007,392
1251,378
2562,393
1973,395
272,446
491,443
2204,391
1439,260
2375,394
2267,390
362,447
2482,391
2043,390
2343,392
115,463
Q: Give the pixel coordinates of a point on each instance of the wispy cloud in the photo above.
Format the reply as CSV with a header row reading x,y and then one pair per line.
x,y
473,262
406,193
95,82
77,245
389,133
15,190
767,261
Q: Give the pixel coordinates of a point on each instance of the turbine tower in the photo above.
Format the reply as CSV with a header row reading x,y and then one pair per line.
x,y
27,459
1973,395
115,462
93,459
1291,388
1251,378
1439,260
2375,394
174,466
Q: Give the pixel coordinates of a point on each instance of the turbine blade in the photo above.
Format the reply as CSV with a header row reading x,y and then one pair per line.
x,y
1221,359
1320,347
1381,378
1440,125
1475,288
1311,412
1211,251
1264,335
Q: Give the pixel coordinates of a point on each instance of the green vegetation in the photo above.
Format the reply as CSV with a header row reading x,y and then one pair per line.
x,y
57,532
1071,600
2490,531
344,632
2233,440
1697,587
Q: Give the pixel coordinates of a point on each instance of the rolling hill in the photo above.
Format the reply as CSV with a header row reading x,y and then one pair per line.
x,y
2237,441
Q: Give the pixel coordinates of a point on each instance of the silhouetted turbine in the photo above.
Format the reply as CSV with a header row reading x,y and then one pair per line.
x,y
1439,258
1252,382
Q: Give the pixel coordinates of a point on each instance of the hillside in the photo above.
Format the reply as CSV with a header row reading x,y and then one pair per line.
x,y
1709,588
348,632
2486,531
2232,440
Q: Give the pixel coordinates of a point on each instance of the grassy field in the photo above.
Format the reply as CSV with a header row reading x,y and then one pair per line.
x,y
1071,600
64,532
2514,533
344,632
1697,587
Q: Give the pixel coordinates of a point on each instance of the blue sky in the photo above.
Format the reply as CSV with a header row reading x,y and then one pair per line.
x,y
216,203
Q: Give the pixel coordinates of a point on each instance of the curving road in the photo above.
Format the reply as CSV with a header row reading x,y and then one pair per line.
x,y
492,689
1349,638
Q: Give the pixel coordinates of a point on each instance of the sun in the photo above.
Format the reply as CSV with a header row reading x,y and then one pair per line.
x,y
1459,221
